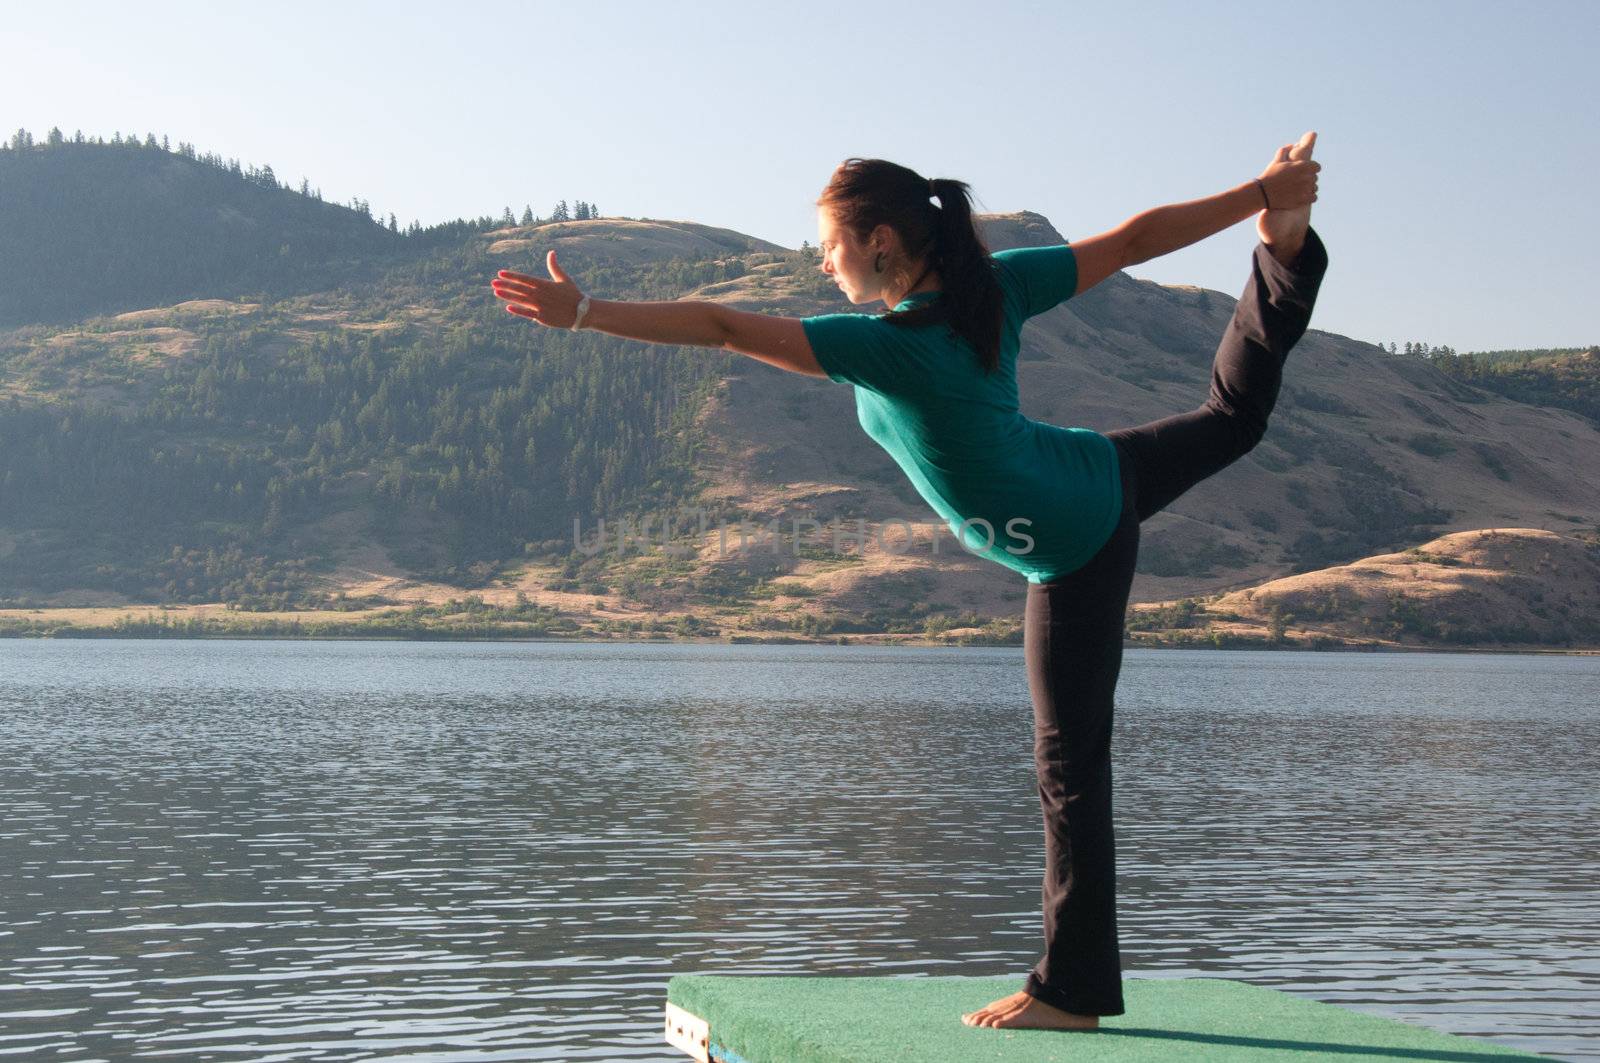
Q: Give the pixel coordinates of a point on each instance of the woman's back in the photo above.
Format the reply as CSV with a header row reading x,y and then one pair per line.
x,y
1047,497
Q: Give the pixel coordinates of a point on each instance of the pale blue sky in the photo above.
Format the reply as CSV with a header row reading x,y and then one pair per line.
x,y
1459,140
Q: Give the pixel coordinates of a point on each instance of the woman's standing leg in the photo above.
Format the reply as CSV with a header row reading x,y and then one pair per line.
x,y
1072,644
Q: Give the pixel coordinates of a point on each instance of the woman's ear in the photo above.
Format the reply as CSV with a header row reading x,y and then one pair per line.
x,y
883,239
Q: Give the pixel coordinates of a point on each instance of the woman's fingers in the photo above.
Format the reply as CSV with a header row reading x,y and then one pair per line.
x,y
520,304
513,295
531,284
523,277
512,286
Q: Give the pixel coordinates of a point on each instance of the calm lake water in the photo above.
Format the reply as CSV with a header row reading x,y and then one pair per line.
x,y
260,850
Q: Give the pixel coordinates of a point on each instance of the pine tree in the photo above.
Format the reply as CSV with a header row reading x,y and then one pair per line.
x,y
581,212
560,213
527,215
507,218
394,224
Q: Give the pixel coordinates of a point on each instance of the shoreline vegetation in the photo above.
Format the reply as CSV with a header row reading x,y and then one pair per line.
x,y
307,634
1506,590
471,620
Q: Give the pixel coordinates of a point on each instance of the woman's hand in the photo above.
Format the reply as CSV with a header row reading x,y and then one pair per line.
x,y
1290,180
552,302
1284,230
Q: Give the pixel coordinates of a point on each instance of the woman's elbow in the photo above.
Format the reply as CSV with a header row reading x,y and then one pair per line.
x,y
1134,248
719,327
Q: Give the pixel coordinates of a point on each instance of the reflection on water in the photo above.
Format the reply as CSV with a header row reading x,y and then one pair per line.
x,y
491,851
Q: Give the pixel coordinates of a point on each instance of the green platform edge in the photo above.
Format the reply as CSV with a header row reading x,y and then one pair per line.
x,y
833,1019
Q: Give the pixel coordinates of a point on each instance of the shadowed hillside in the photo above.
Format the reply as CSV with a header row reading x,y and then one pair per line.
x,y
93,228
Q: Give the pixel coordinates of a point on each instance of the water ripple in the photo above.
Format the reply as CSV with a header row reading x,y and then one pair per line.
x,y
443,851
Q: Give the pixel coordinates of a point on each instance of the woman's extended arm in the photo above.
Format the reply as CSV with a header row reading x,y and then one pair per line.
x,y
779,341
1288,184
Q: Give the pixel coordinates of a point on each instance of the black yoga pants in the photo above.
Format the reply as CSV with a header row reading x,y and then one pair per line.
x,y
1073,629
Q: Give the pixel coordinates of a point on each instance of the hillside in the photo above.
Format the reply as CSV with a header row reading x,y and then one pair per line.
x,y
1568,380
394,440
1366,451
1496,587
96,228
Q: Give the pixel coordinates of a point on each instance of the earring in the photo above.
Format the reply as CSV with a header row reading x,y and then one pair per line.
x,y
877,263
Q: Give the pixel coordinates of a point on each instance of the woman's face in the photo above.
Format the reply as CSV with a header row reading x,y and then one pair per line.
x,y
847,259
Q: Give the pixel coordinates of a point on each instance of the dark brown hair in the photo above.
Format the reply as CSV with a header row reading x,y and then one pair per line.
x,y
866,193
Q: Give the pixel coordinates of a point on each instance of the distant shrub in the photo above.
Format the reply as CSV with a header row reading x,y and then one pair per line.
x,y
1430,444
1491,460
1262,519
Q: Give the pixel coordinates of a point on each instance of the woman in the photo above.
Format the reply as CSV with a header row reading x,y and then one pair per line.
x,y
935,385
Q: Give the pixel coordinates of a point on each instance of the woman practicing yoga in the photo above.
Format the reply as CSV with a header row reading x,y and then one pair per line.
x,y
935,386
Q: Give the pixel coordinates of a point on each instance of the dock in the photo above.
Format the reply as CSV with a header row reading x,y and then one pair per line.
x,y
825,1019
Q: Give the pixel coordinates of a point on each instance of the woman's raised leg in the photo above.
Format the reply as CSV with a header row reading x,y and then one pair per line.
x,y
1175,453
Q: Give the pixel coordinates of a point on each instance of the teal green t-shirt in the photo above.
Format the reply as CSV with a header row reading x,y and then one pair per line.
x,y
1035,497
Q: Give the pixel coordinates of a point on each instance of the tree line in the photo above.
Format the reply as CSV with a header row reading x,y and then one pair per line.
x,y
263,176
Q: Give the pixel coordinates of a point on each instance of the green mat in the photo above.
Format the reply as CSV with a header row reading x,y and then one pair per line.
x,y
814,1019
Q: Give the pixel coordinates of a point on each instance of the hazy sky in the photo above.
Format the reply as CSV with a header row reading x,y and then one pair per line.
x,y
1459,140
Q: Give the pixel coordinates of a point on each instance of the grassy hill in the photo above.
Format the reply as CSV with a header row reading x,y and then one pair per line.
x,y
1494,587
369,432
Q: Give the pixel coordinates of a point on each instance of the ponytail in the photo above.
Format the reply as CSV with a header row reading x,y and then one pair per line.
x,y
971,293
866,193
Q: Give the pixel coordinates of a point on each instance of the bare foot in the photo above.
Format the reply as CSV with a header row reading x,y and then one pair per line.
x,y
1019,1009
1284,231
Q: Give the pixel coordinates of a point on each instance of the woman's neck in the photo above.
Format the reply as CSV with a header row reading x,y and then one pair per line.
x,y
927,281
